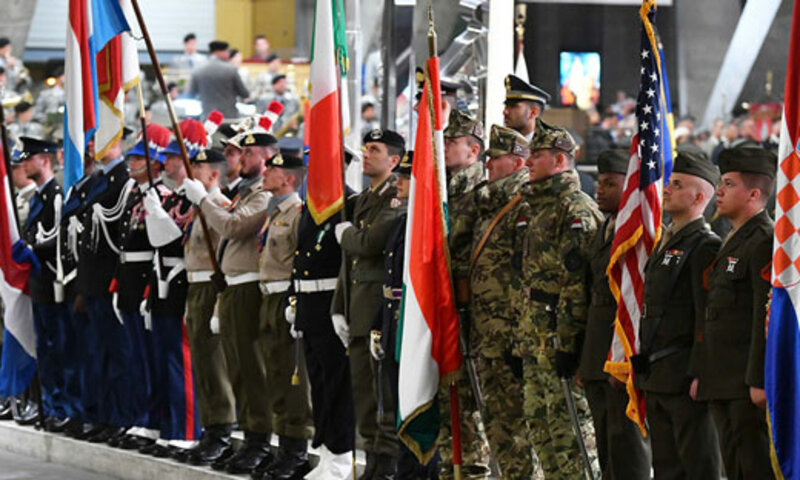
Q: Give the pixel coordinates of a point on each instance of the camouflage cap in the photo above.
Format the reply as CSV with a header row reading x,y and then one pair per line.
x,y
505,141
551,137
460,124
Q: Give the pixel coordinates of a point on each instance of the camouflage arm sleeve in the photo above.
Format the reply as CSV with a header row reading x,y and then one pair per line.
x,y
759,274
700,261
578,229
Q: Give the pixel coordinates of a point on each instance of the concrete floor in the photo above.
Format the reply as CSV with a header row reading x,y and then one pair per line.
x,y
20,467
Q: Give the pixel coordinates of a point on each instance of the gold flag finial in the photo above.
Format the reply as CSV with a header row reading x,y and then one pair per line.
x,y
432,50
519,20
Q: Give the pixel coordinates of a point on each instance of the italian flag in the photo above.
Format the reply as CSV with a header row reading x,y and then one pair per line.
x,y
428,347
325,124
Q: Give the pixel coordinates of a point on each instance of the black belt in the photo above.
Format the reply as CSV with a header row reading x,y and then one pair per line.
x,y
666,352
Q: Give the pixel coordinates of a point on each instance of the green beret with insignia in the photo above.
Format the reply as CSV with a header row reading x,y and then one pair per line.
x,y
504,141
518,89
387,137
256,139
695,162
460,124
549,137
748,160
613,161
208,156
404,167
280,161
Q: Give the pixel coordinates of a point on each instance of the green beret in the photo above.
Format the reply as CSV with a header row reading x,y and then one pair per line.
x,y
695,163
552,137
613,161
505,141
460,124
748,160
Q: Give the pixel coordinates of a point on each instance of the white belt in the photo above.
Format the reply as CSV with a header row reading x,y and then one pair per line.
x,y
279,286
199,276
133,257
311,286
70,276
172,261
242,278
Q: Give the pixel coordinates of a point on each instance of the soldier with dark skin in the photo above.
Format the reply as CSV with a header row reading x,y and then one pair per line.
x,y
550,297
681,429
496,242
622,451
730,372
363,240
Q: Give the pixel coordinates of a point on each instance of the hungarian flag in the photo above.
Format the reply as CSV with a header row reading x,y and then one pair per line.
x,y
427,347
117,73
325,124
782,359
18,363
90,26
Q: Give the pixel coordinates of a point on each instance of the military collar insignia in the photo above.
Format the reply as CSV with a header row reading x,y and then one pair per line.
x,y
732,261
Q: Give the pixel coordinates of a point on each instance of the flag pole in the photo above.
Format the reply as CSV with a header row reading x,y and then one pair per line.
x,y
143,121
217,279
455,417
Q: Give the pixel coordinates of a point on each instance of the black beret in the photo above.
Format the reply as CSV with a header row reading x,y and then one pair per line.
x,y
31,146
404,167
613,161
696,163
518,89
280,161
22,106
217,45
387,137
208,156
257,139
748,160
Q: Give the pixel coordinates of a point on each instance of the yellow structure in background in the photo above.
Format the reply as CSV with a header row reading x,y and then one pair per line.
x,y
238,21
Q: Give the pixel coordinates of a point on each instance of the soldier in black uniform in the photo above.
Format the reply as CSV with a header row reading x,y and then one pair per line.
x,y
319,255
731,372
621,449
39,231
682,433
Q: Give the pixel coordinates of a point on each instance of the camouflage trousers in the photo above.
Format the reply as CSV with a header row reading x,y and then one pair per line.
x,y
505,424
474,449
549,424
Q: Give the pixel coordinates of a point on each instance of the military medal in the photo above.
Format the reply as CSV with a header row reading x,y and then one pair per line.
x,y
732,261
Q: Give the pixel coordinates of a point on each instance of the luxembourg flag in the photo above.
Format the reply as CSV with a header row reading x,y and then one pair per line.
x,y
18,362
428,347
325,126
91,25
782,361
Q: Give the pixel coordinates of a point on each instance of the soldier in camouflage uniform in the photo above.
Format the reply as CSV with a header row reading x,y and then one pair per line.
x,y
463,145
496,250
550,300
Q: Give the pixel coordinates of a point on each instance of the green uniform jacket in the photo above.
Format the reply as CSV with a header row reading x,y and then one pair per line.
x,y
733,335
674,305
602,308
462,212
373,217
552,296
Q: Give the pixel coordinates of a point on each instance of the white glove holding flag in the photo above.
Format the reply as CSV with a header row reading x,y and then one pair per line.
x,y
341,328
291,314
213,325
339,229
161,230
195,191
294,333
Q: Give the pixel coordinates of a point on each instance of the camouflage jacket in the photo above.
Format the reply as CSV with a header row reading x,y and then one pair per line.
x,y
461,208
494,268
550,298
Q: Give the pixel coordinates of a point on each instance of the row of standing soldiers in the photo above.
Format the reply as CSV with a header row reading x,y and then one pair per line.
x,y
126,275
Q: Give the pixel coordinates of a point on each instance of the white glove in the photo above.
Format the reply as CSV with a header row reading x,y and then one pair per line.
x,y
213,325
294,333
152,202
161,229
195,191
341,328
375,348
146,315
339,229
290,314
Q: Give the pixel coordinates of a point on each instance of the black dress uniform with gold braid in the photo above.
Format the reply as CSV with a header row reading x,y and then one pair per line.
x,y
48,316
105,334
682,432
622,451
314,273
733,337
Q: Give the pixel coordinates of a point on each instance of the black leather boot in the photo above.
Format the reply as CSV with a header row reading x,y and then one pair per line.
x,y
385,467
254,451
214,445
369,471
291,463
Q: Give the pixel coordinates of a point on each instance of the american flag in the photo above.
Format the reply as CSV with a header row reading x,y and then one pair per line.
x,y
638,223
